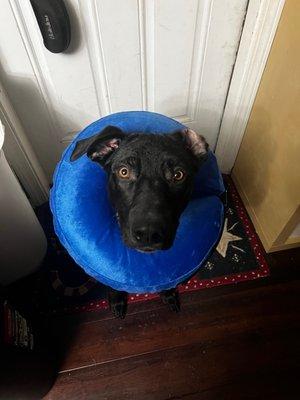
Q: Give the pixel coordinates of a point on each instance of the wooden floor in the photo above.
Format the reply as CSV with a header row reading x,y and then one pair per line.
x,y
233,342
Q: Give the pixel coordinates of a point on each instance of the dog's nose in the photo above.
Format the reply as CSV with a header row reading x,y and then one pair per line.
x,y
148,235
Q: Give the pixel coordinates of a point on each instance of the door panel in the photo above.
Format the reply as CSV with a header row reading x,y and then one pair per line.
x,y
112,34
170,56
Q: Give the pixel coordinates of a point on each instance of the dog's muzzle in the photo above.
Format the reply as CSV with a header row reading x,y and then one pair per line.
x,y
151,234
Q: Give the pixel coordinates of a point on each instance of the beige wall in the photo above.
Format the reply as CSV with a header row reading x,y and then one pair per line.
x,y
267,169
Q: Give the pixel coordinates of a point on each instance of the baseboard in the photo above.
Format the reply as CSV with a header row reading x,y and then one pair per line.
x,y
285,246
267,243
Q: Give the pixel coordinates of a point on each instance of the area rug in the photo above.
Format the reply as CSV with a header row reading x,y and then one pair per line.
x,y
61,286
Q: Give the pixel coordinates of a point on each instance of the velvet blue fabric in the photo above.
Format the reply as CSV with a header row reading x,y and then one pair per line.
x,y
86,224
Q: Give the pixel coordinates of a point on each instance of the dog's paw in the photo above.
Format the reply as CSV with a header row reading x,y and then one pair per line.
x,y
171,298
119,309
118,303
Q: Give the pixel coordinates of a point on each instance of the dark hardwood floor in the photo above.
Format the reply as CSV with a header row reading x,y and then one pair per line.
x,y
231,342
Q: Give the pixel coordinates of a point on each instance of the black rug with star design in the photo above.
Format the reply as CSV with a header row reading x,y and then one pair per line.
x,y
62,286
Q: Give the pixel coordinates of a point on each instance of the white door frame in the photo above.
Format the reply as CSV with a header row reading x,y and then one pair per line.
x,y
260,25
20,154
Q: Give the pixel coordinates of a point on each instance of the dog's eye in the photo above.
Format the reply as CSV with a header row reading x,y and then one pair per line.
x,y
179,175
124,173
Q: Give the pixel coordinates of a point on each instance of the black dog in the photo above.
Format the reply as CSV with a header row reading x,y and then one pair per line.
x,y
150,180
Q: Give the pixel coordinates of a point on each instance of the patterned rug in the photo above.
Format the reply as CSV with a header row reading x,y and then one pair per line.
x,y
61,286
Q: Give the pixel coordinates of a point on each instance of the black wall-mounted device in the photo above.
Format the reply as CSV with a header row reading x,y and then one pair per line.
x,y
54,23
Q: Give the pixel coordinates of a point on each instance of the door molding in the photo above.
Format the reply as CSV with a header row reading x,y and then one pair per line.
x,y
260,26
20,154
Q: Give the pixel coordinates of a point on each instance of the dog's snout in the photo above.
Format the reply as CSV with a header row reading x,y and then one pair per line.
x,y
148,235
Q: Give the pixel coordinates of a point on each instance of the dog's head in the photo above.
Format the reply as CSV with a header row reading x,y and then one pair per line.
x,y
150,180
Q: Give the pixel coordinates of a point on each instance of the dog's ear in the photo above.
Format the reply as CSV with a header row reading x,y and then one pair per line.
x,y
99,147
195,142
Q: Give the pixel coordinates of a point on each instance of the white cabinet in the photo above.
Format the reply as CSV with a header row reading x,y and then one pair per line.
x,y
22,240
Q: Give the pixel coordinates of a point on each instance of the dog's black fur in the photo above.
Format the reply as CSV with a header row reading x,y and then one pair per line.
x,y
150,180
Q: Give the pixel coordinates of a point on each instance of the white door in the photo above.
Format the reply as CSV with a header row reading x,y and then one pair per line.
x,y
174,57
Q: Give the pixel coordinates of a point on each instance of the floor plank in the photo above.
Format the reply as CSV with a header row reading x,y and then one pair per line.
x,y
230,342
184,371
236,312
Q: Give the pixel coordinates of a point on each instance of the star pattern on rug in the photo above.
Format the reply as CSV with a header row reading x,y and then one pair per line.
x,y
227,238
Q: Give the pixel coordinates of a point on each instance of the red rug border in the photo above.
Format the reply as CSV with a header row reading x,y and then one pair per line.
x,y
195,284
